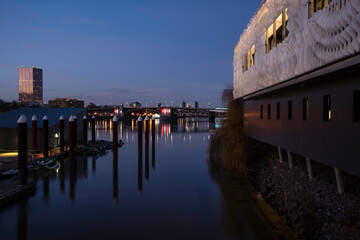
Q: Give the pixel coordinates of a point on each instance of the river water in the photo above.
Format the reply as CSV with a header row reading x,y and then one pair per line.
x,y
168,193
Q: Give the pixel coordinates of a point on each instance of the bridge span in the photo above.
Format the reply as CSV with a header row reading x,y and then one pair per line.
x,y
157,112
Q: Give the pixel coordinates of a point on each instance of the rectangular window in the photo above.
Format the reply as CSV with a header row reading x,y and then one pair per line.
x,y
356,106
319,4
252,55
243,64
276,32
246,62
269,111
327,108
289,110
261,112
305,109
278,110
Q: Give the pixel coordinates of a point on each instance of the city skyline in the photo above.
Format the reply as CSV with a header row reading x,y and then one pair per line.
x,y
118,52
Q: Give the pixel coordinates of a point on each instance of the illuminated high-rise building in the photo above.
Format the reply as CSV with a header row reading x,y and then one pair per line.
x,y
30,85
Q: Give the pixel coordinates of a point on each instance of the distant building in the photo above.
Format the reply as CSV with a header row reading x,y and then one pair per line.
x,y
135,104
31,85
66,103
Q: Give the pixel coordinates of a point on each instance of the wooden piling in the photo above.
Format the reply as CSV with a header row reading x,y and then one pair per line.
x,y
85,123
93,122
22,149
309,168
45,136
115,136
71,137
153,143
280,155
75,131
339,181
139,125
34,133
147,126
140,128
62,133
291,162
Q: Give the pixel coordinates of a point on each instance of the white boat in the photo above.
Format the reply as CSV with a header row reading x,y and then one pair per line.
x,y
52,166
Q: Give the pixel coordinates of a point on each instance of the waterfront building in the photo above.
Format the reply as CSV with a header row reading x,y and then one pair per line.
x,y
31,85
296,67
8,125
66,103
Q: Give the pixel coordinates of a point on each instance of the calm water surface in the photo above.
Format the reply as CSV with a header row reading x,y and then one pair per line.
x,y
166,194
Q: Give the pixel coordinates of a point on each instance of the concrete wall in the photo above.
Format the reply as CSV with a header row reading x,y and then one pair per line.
x,y
328,35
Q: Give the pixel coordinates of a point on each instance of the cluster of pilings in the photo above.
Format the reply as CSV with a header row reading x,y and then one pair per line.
x,y
338,175
22,139
145,127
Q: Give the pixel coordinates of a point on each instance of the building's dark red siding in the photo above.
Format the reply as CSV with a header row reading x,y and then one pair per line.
x,y
335,142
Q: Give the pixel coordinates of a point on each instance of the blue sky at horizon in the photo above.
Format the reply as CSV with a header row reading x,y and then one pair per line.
x,y
113,52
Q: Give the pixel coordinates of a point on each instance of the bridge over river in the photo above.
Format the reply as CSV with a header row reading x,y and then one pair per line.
x,y
158,112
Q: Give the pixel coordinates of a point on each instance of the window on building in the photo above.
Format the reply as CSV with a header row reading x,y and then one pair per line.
x,y
327,108
261,112
278,110
252,55
289,110
269,111
356,106
248,59
277,32
317,5
246,62
305,109
243,63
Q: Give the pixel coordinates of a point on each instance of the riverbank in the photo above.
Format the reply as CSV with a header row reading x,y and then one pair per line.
x,y
311,207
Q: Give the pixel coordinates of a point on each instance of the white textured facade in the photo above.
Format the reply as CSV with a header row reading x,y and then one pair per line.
x,y
314,39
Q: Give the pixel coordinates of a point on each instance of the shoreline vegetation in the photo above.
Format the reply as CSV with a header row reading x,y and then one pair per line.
x,y
312,208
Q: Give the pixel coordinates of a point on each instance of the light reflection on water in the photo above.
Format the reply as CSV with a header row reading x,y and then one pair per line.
x,y
121,197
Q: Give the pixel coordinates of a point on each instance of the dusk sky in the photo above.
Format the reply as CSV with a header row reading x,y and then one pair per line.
x,y
112,52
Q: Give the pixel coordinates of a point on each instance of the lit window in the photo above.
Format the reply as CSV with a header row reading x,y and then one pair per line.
x,y
327,108
243,63
252,55
277,32
317,5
